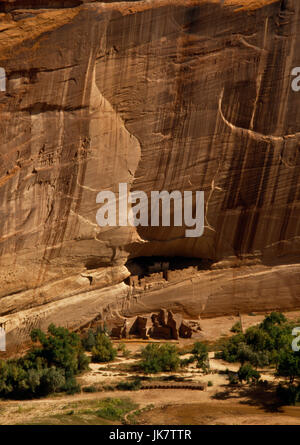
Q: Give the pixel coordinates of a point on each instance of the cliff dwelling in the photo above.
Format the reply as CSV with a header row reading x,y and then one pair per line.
x,y
154,272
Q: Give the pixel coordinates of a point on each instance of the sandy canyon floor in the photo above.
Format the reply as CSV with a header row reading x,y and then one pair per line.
x,y
218,404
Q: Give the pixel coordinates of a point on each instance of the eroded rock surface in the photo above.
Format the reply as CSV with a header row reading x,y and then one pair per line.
x,y
163,95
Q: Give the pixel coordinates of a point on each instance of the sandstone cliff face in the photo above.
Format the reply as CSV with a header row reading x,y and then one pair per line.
x,y
163,95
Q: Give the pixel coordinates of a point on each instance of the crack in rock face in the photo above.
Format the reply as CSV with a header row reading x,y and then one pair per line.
x,y
161,95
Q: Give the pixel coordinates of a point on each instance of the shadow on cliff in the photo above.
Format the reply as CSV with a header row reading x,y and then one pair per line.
x,y
10,5
6,6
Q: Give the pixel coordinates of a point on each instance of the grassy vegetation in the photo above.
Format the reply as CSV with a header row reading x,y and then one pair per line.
x,y
95,412
132,418
115,409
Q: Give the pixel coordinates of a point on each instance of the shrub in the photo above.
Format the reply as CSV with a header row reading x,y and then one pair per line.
x,y
15,382
159,358
115,409
233,378
260,345
126,353
230,348
91,388
248,373
71,386
210,383
187,361
259,339
34,381
200,352
109,387
89,341
289,395
83,361
52,380
122,348
103,351
59,348
103,330
245,353
289,364
273,319
132,385
237,327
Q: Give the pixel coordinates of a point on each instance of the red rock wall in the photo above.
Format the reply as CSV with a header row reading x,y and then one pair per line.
x,y
174,95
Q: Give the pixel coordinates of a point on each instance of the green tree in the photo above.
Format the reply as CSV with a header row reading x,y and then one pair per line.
x,y
289,395
275,318
260,345
259,339
289,364
60,348
49,366
51,380
248,373
103,351
159,358
89,340
200,352
229,351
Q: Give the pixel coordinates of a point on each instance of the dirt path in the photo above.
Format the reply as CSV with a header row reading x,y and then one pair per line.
x,y
219,397
216,405
213,413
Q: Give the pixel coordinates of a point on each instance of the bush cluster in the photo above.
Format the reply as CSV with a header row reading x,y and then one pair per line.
x,y
289,395
200,355
248,373
103,351
261,345
49,366
200,352
159,358
100,345
269,343
132,385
